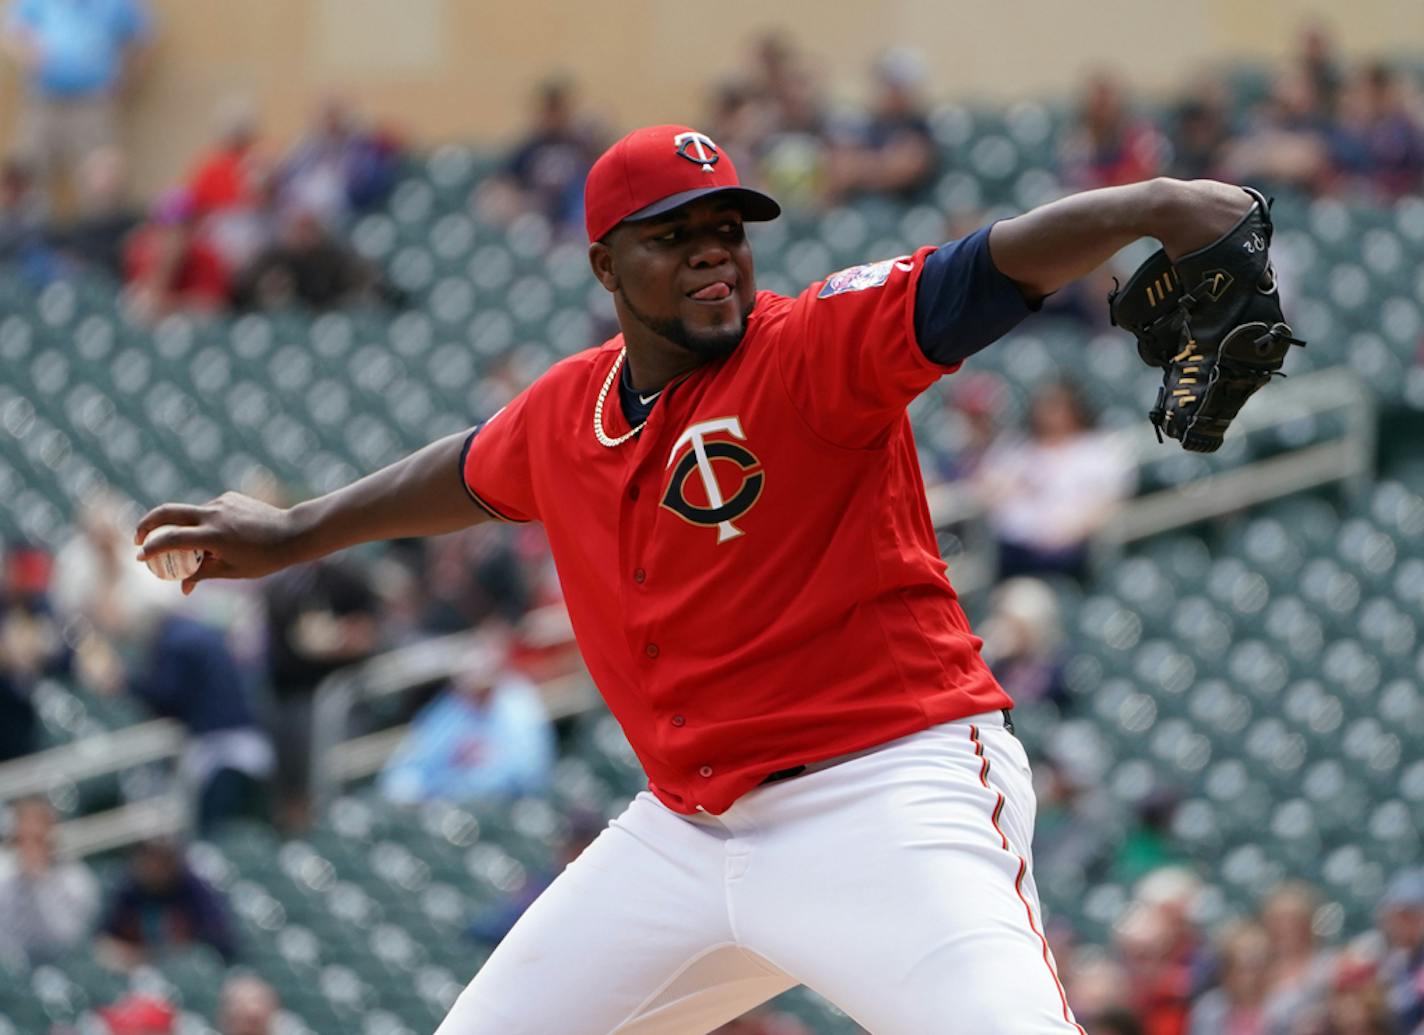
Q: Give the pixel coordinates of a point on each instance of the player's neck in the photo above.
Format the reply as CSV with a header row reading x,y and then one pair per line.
x,y
654,365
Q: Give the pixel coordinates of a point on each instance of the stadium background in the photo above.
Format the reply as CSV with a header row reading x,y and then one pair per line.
x,y
1228,725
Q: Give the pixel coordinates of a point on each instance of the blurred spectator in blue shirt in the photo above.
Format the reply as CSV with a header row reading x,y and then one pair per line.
x,y
1401,919
546,169
488,736
161,905
344,166
893,154
1379,143
192,676
31,646
76,56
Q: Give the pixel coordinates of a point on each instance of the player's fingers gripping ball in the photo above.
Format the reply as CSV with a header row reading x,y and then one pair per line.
x,y
175,565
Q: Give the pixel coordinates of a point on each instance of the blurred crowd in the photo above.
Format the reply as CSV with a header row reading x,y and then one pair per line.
x,y
1315,123
1270,973
247,226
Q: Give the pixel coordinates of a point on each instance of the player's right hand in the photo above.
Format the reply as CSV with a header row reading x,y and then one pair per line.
x,y
242,538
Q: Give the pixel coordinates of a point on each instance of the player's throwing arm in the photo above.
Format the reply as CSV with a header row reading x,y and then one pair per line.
x,y
244,538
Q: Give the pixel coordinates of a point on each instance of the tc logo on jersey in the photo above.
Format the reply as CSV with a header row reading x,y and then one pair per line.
x,y
698,149
729,489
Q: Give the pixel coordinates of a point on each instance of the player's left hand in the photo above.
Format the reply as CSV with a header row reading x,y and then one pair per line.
x,y
1212,322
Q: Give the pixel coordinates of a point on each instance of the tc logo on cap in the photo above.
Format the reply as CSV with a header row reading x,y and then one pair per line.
x,y
698,149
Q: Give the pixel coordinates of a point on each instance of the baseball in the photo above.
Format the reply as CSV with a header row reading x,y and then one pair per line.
x,y
175,565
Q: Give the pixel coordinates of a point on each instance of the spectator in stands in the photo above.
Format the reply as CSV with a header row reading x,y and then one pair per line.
x,y
1236,1005
1097,987
247,1006
1320,61
1159,983
1401,920
170,266
342,167
973,402
1287,140
1109,145
76,57
159,906
544,173
487,737
23,242
189,674
106,217
473,576
309,266
320,617
48,905
1357,1004
31,646
1379,141
230,185
738,121
1077,824
1148,844
138,1014
893,154
1023,641
787,113
1049,494
96,584
1300,969
1201,133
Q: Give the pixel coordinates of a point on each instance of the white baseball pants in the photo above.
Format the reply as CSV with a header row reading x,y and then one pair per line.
x,y
896,884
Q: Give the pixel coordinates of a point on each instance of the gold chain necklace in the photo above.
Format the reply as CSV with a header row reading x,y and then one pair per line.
x,y
603,439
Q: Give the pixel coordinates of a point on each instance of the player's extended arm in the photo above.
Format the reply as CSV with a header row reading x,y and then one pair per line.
x,y
245,538
1055,244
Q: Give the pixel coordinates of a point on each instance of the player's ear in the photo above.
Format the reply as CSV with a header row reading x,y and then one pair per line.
x,y
600,257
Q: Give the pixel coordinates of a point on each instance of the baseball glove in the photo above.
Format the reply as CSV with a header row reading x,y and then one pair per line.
x,y
1212,322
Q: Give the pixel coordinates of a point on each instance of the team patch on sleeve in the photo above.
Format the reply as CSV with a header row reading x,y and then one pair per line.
x,y
858,278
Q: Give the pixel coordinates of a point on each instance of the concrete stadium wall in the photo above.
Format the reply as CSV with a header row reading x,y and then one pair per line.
x,y
448,69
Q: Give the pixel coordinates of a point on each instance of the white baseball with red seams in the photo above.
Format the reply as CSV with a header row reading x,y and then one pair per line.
x,y
897,883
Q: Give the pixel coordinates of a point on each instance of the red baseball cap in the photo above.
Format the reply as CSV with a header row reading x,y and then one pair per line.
x,y
654,170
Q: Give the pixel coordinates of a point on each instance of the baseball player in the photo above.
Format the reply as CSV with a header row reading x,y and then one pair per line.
x,y
732,496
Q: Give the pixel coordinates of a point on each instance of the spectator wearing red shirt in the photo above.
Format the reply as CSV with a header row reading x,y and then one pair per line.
x,y
170,267
230,185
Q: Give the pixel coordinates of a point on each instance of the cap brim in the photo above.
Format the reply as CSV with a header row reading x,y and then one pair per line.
x,y
754,205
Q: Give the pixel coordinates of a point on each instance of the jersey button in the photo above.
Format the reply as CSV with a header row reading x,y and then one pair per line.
x,y
633,492
678,720
651,650
705,771
639,575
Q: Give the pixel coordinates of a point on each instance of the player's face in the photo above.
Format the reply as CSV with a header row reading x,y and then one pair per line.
x,y
687,277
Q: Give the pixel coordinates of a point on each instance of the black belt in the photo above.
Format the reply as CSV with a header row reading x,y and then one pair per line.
x,y
815,767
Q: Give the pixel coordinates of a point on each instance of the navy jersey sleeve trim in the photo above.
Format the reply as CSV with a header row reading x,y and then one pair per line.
x,y
963,303
475,498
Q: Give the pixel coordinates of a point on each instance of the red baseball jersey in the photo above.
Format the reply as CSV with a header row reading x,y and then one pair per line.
x,y
753,579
